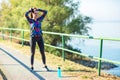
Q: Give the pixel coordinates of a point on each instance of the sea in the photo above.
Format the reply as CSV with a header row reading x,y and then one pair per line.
x,y
111,49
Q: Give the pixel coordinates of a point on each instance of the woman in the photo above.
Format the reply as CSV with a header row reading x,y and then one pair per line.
x,y
36,33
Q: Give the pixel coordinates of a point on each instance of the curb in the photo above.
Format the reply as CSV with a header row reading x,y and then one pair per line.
x,y
2,75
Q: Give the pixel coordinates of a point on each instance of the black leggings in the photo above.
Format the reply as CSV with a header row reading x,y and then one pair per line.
x,y
40,43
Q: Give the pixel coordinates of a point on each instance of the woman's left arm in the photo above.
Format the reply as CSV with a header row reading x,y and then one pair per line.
x,y
43,15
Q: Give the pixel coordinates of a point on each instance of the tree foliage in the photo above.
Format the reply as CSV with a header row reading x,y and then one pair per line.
x,y
63,16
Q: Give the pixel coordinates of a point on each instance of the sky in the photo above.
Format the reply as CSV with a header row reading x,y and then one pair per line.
x,y
105,14
101,10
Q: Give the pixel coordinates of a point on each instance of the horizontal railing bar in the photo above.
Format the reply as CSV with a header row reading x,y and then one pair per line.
x,y
70,35
82,54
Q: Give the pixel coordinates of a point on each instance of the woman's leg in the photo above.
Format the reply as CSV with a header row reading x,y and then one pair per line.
x,y
41,47
32,45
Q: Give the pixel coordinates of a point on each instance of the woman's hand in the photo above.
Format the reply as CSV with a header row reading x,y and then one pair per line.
x,y
32,10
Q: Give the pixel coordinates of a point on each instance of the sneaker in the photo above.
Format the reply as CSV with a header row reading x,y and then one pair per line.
x,y
32,68
47,68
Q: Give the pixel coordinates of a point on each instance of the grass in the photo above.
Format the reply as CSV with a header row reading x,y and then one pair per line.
x,y
69,68
85,77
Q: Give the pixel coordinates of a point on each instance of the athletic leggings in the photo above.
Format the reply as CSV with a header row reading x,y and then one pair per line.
x,y
40,43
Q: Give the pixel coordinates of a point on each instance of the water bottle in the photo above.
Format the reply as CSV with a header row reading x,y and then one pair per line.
x,y
59,72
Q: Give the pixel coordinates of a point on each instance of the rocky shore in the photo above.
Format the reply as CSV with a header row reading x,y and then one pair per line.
x,y
94,64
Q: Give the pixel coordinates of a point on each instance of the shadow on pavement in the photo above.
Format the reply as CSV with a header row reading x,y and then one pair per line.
x,y
45,71
24,65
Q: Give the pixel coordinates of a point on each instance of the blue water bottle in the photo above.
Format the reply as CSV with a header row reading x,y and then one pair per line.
x,y
59,72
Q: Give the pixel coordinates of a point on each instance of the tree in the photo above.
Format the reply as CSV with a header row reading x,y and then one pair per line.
x,y
63,16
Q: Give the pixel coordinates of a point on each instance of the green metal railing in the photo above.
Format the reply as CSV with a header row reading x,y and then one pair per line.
x,y
63,43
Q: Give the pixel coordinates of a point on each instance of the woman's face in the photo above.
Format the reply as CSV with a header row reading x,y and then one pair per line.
x,y
35,14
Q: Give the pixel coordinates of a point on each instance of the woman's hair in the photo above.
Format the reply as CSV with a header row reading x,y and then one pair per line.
x,y
32,11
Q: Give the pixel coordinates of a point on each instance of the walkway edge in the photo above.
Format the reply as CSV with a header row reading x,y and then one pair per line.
x,y
3,75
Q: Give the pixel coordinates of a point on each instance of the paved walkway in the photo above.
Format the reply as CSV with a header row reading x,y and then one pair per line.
x,y
15,66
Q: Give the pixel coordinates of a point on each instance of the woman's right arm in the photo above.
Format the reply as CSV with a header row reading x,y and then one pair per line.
x,y
27,16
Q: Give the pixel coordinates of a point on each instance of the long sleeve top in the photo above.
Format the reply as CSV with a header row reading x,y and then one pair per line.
x,y
35,25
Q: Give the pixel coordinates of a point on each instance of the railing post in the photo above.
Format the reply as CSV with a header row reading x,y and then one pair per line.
x,y
3,34
100,56
63,44
22,37
11,35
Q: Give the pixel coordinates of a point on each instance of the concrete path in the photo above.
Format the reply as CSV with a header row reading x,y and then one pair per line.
x,y
16,66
